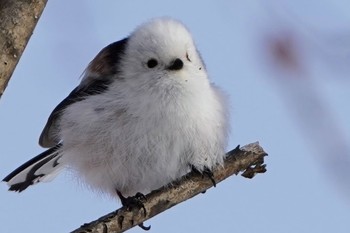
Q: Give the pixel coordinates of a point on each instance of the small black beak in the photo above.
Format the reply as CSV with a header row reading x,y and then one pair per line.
x,y
177,65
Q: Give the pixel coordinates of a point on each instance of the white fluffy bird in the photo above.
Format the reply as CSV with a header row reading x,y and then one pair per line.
x,y
143,115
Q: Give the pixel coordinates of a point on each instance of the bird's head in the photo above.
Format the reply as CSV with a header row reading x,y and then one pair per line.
x,y
160,51
161,48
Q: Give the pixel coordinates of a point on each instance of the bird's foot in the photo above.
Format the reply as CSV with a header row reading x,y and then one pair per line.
x,y
206,172
135,202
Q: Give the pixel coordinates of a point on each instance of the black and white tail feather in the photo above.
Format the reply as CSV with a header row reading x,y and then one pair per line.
x,y
42,168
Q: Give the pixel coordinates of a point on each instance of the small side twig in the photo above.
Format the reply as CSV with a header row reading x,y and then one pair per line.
x,y
248,159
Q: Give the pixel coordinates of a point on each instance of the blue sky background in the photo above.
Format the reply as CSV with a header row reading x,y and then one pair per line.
x,y
294,102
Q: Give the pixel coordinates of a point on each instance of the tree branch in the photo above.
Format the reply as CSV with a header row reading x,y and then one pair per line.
x,y
249,160
17,22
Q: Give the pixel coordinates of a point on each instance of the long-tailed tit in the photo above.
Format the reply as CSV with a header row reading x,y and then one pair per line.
x,y
143,115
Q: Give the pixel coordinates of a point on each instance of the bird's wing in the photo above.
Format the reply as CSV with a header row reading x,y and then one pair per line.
x,y
48,137
99,74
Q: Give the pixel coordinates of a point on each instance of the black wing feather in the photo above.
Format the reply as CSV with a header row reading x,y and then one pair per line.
x,y
47,138
106,63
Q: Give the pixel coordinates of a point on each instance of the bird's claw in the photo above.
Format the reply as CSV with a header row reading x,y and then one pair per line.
x,y
143,227
206,172
133,202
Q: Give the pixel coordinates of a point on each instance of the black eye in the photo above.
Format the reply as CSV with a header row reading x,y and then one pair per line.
x,y
152,63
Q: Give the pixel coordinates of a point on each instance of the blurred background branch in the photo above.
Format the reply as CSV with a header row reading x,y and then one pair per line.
x,y
17,22
286,50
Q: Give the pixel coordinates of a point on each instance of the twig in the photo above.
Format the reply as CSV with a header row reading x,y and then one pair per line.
x,y
248,159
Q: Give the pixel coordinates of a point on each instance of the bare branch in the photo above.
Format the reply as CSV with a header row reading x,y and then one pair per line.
x,y
17,22
249,160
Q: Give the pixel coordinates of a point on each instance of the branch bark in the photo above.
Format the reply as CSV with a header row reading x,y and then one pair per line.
x,y
17,22
249,160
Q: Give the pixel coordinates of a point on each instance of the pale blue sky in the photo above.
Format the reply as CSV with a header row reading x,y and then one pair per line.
x,y
299,193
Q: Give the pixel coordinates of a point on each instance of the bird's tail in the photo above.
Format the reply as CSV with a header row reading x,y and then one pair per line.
x,y
43,167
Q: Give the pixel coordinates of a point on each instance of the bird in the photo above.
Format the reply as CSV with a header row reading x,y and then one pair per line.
x,y
143,115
